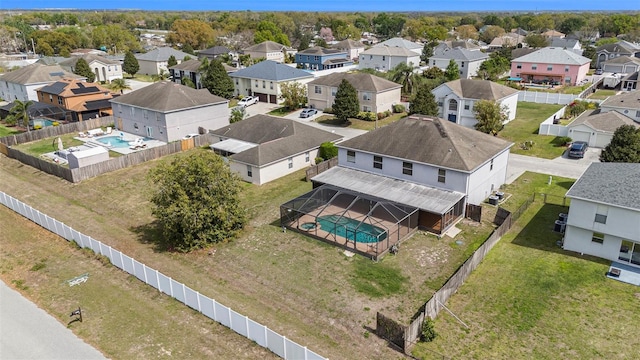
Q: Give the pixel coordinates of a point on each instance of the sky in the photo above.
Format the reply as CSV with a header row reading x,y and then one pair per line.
x,y
330,5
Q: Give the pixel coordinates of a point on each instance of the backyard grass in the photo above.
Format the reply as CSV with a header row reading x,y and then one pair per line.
x,y
281,111
525,128
360,124
303,288
5,130
43,146
531,299
602,94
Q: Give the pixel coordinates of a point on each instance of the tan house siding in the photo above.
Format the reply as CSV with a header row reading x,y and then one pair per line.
x,y
379,102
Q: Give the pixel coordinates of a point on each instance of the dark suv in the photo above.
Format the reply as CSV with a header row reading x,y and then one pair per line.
x,y
577,149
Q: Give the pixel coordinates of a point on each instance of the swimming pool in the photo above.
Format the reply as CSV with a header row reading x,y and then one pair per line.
x,y
351,229
42,122
114,141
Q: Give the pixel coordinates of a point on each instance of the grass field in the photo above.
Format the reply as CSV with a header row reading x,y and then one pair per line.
x,y
360,124
531,299
525,128
602,94
4,130
307,290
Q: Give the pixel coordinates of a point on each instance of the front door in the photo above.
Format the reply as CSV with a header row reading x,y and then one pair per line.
x,y
149,132
452,117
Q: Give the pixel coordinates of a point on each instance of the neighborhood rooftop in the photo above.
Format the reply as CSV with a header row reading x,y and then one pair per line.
x,y
480,89
551,55
162,54
628,100
319,50
360,81
609,183
271,70
267,46
608,121
168,96
389,51
431,141
38,73
461,54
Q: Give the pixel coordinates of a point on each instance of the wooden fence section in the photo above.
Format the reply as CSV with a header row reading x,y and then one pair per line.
x,y
323,166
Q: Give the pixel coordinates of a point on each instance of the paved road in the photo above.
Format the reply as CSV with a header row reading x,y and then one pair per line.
x,y
28,332
560,166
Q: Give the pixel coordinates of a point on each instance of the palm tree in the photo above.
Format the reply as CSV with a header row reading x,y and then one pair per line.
x,y
163,75
119,85
20,110
403,75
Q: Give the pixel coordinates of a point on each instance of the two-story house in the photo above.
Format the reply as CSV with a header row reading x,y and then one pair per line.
x,y
21,84
104,69
192,70
82,100
422,162
375,94
351,47
269,50
319,58
626,103
611,51
214,52
621,65
157,60
263,80
402,43
167,111
385,58
456,99
569,44
468,61
604,215
263,148
551,65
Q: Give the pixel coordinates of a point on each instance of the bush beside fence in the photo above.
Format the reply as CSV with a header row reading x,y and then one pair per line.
x,y
262,335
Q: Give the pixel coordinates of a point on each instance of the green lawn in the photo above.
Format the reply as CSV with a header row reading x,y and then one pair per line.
x,y
602,94
531,299
5,130
360,124
525,128
37,148
281,111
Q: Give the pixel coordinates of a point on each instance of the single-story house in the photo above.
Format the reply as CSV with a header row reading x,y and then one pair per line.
x,y
82,100
468,61
551,65
604,215
167,111
375,94
596,127
269,50
21,84
263,80
351,47
422,162
456,99
319,58
104,69
626,103
385,58
157,60
263,148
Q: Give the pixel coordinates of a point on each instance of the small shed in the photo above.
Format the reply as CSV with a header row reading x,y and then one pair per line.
x,y
90,156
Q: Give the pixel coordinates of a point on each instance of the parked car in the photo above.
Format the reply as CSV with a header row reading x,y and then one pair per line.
x,y
308,112
599,72
578,149
248,101
189,136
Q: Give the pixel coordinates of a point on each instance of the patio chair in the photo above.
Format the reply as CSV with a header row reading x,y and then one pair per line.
x,y
109,130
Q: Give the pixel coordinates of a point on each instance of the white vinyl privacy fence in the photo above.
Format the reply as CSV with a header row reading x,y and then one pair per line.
x,y
239,323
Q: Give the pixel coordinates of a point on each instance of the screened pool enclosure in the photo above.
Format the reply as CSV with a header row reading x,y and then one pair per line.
x,y
357,222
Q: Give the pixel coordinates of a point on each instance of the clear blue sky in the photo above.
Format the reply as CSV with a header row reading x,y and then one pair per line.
x,y
344,5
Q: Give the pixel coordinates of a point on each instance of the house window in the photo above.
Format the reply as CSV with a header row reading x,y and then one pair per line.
x,y
290,161
50,98
466,106
567,79
407,168
144,114
442,174
306,157
566,68
601,214
440,103
59,100
638,113
491,166
264,84
249,172
119,108
434,63
384,58
133,111
518,66
351,156
602,219
236,81
377,162
534,67
157,116
453,105
462,64
271,85
317,89
316,58
370,57
366,108
597,237
334,91
549,67
366,96
256,83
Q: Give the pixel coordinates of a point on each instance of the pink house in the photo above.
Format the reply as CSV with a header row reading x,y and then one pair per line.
x,y
551,65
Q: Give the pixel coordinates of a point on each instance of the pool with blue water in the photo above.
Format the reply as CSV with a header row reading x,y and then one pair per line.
x,y
351,229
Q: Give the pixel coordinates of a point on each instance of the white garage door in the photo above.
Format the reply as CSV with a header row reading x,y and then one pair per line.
x,y
602,140
579,135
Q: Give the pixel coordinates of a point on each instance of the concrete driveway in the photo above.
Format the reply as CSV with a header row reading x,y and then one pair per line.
x,y
560,166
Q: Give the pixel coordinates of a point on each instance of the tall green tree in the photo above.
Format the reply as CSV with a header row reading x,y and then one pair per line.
x,y
424,103
294,94
20,112
119,85
403,74
452,72
130,64
346,103
624,146
217,81
490,115
495,66
536,41
196,201
172,61
427,51
82,68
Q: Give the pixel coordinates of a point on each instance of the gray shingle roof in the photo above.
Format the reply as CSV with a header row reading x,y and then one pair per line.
x,y
460,54
37,74
166,96
626,100
623,60
400,42
608,121
278,138
390,51
89,58
267,46
319,50
563,43
162,54
430,141
479,89
192,65
619,47
553,55
271,70
215,50
348,44
360,81
609,183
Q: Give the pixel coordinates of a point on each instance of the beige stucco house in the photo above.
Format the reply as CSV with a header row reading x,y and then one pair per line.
x,y
269,50
157,60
